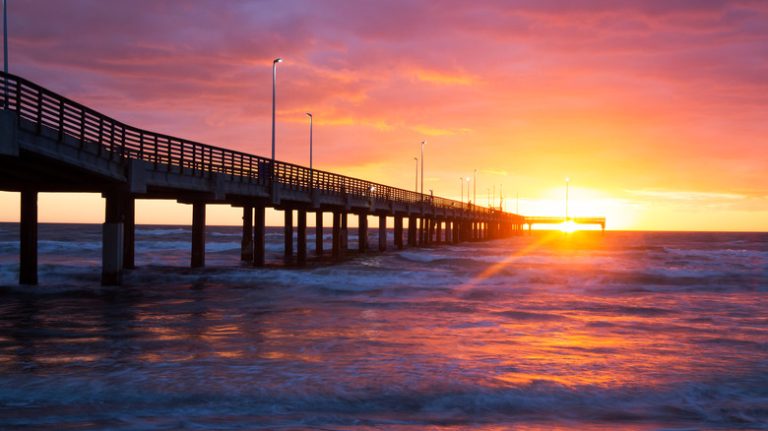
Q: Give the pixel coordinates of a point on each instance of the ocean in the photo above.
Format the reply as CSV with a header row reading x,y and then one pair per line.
x,y
549,331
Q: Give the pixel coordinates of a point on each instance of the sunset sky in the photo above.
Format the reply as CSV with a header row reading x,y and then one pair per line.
x,y
656,110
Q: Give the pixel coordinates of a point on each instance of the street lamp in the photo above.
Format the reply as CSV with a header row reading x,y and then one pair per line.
x,y
5,53
474,190
274,87
311,179
416,181
422,168
567,182
468,201
309,114
461,179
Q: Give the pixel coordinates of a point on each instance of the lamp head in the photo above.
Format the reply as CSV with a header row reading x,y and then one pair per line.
x,y
277,60
309,114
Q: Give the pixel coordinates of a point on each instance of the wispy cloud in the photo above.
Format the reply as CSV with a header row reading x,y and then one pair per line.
x,y
686,196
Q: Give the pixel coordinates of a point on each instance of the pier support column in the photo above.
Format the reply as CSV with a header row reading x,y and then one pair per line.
x,y
246,244
318,233
411,231
198,234
438,231
399,232
336,241
382,232
258,235
28,238
344,235
129,233
301,237
362,232
422,228
112,240
288,237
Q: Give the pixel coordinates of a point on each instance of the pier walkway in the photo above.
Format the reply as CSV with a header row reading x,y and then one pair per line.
x,y
49,143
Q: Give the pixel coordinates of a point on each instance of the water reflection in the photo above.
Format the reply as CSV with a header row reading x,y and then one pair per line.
x,y
459,337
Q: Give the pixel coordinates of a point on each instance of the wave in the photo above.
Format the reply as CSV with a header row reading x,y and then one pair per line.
x,y
137,396
162,232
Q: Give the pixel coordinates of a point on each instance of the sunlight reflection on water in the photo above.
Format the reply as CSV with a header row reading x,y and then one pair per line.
x,y
645,330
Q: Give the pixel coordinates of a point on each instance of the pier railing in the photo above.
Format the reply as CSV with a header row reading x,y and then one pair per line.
x,y
114,139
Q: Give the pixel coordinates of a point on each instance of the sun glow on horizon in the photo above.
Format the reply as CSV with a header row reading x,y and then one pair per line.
x,y
568,226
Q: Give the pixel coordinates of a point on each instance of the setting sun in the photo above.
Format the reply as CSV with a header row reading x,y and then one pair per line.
x,y
568,226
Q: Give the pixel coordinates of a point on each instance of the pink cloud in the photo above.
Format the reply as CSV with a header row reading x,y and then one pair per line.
x,y
658,86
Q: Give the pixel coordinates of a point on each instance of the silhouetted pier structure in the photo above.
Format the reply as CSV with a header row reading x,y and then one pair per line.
x,y
49,143
532,220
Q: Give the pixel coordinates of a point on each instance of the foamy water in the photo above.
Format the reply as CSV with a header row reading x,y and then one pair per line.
x,y
638,331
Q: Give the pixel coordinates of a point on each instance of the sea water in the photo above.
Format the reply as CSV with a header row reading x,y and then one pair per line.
x,y
627,330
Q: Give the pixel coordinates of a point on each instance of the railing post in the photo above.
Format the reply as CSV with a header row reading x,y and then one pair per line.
x,y
101,134
61,121
39,113
141,145
82,127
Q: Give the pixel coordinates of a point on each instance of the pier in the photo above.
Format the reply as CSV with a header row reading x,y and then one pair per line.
x,y
49,143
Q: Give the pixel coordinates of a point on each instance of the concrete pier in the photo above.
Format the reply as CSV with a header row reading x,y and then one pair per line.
x,y
398,232
28,238
362,232
246,244
382,233
301,237
412,231
259,235
198,234
60,146
288,237
129,233
112,240
336,236
318,233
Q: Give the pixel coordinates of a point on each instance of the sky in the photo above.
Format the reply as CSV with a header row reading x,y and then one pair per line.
x,y
656,110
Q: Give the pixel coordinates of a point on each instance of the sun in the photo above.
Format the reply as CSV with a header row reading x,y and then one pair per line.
x,y
568,226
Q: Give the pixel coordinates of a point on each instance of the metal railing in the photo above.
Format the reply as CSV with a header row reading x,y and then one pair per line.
x,y
113,139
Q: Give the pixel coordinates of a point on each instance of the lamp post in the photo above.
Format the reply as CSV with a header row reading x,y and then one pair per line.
x,y
416,181
468,200
422,168
274,88
5,52
461,179
311,179
474,189
567,182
